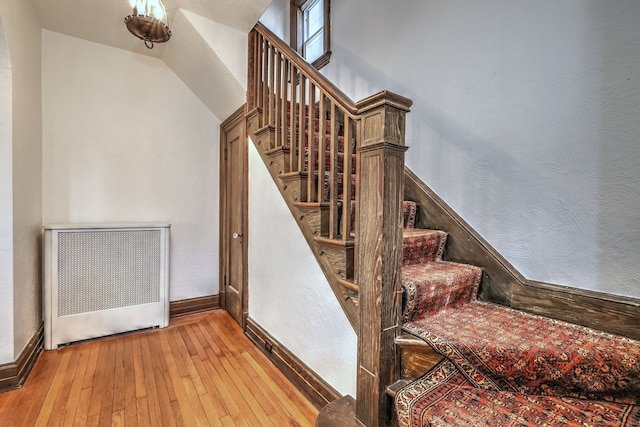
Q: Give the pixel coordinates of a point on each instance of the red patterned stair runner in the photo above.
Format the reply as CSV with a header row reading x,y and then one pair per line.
x,y
445,397
504,354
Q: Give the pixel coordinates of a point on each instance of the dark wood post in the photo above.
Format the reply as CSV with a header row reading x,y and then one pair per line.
x,y
379,253
251,70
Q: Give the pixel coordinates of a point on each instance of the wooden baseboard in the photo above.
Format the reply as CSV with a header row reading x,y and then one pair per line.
x,y
319,392
14,374
503,284
194,305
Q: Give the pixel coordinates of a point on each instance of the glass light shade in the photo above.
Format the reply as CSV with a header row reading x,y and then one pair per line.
x,y
148,21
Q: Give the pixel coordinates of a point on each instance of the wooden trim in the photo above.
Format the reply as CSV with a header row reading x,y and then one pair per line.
x,y
194,305
239,115
503,284
296,20
380,160
611,313
319,392
14,374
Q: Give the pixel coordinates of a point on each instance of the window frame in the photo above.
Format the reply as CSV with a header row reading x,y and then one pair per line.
x,y
297,9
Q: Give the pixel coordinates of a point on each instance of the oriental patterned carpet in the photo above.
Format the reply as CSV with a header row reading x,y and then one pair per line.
x,y
445,397
504,367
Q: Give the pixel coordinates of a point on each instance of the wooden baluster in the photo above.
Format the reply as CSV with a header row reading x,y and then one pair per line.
x,y
322,146
283,103
346,179
272,99
356,228
264,105
311,143
380,194
333,174
251,70
292,116
278,103
302,107
259,66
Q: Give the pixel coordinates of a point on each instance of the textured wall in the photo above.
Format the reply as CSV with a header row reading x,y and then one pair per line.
x,y
24,42
125,140
525,121
288,294
6,203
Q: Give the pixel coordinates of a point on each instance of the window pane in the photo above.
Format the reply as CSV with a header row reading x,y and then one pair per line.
x,y
314,47
313,19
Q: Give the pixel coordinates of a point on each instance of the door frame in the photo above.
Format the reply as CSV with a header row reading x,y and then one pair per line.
x,y
237,118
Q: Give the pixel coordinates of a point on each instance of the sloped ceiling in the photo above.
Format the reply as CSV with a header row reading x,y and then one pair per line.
x,y
207,49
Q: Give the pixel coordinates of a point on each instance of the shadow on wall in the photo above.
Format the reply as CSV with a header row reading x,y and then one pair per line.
x,y
501,149
6,203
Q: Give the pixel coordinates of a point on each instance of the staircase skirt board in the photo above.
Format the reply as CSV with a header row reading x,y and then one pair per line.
x,y
316,215
340,255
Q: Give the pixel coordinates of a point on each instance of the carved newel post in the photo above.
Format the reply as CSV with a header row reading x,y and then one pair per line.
x,y
379,251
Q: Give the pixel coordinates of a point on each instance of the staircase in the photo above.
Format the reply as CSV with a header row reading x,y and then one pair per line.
x,y
499,366
423,336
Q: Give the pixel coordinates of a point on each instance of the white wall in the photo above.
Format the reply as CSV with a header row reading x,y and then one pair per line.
x,y
24,41
125,140
276,18
6,203
288,294
525,121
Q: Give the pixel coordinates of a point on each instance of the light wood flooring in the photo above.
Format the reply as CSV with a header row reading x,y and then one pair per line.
x,y
200,371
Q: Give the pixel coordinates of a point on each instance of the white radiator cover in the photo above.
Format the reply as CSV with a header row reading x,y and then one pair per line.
x,y
101,280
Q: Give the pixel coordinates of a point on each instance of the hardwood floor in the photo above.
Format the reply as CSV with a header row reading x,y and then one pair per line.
x,y
200,371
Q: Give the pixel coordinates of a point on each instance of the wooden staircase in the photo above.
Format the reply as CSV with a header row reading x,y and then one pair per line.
x,y
312,137
339,166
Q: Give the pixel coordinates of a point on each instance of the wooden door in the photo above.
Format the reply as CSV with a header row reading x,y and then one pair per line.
x,y
233,216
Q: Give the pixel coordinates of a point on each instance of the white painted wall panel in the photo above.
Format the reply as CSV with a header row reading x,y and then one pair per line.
x,y
125,140
23,37
6,203
288,294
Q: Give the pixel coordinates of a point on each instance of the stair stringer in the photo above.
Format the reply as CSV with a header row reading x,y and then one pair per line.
x,y
347,298
503,284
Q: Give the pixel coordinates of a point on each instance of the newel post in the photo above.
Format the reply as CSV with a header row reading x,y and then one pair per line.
x,y
379,253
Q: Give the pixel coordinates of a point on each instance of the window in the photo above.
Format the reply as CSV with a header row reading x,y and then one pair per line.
x,y
310,30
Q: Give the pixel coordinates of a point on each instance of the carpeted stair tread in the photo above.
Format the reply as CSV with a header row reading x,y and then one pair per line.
x,y
524,353
421,246
446,397
435,286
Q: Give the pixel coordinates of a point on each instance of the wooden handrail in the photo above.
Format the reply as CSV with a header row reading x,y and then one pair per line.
x,y
309,70
316,126
316,130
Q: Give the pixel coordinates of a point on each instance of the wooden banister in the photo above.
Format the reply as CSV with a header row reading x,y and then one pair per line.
x,y
318,79
321,133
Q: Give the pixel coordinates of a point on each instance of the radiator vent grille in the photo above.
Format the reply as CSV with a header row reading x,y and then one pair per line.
x,y
101,270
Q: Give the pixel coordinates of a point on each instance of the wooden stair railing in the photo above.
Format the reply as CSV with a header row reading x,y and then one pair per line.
x,y
300,105
307,131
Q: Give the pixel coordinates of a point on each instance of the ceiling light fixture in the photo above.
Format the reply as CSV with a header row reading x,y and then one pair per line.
x,y
148,21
